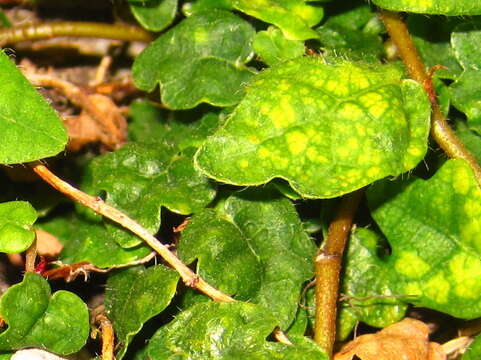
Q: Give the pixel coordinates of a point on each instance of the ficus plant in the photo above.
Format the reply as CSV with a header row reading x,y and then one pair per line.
x,y
287,172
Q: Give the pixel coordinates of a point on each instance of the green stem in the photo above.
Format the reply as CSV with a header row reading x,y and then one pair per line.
x,y
80,29
328,268
440,129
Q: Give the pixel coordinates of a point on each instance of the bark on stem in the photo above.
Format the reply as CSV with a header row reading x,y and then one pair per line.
x,y
328,267
79,29
440,129
100,207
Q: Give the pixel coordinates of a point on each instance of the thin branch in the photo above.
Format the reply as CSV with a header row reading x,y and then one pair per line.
x,y
328,266
30,257
440,129
99,206
107,332
78,29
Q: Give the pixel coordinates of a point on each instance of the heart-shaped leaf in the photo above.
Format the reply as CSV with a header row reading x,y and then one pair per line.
x,y
35,318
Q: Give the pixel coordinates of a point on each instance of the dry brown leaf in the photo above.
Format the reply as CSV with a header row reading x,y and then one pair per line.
x,y
84,129
47,244
405,340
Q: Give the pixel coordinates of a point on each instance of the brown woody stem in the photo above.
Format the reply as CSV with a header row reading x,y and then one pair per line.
x,y
79,29
107,331
100,207
440,129
328,267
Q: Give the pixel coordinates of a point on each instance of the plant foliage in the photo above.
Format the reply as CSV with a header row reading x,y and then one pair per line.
x,y
247,120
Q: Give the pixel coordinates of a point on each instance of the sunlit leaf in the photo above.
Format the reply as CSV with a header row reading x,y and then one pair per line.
x,y
351,125
439,7
16,219
434,228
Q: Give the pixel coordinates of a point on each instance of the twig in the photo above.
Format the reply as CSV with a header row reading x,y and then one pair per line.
x,y
99,206
30,257
80,29
328,266
107,332
440,129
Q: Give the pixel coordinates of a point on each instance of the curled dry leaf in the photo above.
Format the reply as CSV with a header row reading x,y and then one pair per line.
x,y
406,340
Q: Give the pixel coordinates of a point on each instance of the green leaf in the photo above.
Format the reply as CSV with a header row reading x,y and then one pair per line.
x,y
273,47
470,139
16,219
434,230
226,331
367,287
152,175
199,60
4,22
465,96
216,242
349,125
190,8
439,7
270,256
30,127
150,125
84,240
154,15
474,350
465,91
464,40
294,17
343,35
135,295
35,318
